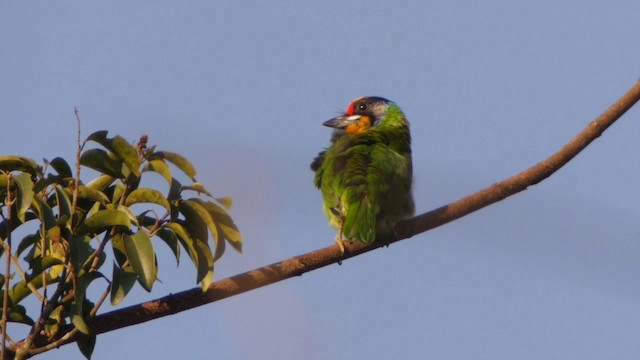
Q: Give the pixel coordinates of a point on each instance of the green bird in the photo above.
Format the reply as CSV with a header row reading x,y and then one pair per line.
x,y
365,175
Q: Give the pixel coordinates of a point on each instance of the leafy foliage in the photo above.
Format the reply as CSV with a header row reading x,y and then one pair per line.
x,y
75,222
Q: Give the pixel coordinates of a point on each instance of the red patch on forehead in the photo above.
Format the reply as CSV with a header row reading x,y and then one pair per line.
x,y
351,108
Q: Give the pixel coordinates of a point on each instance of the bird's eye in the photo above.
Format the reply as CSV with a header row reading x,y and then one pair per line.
x,y
362,107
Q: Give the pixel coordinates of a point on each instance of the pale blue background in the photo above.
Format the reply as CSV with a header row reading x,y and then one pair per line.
x,y
241,88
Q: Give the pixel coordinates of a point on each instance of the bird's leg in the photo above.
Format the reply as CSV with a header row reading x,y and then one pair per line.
x,y
339,238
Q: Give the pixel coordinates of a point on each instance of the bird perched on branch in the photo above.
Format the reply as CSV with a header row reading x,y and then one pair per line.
x,y
365,175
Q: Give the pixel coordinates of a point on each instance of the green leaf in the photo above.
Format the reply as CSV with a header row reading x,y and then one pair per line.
x,y
55,320
79,305
116,191
43,183
41,264
146,195
101,182
195,253
99,160
205,257
160,167
104,219
179,161
87,193
20,290
86,344
78,320
4,181
44,213
25,194
14,223
79,251
222,219
171,239
117,245
121,147
193,208
122,282
18,163
18,314
61,167
198,187
139,250
226,202
64,204
27,242
132,217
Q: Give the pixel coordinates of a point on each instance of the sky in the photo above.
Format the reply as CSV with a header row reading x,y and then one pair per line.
x,y
242,88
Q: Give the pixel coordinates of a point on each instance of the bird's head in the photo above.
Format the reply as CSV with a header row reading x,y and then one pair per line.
x,y
363,114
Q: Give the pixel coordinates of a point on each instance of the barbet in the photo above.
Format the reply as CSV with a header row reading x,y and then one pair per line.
x,y
365,175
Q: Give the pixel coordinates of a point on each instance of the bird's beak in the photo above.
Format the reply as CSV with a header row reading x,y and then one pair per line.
x,y
342,121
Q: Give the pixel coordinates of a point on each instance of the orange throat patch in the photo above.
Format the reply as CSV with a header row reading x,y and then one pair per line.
x,y
363,125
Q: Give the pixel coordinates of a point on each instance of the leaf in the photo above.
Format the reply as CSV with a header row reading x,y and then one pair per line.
x,y
101,182
87,193
117,245
86,344
18,314
116,190
18,163
195,253
64,204
79,251
27,242
146,195
42,183
61,167
139,250
44,213
4,181
132,217
171,239
191,209
160,167
122,282
78,320
99,160
198,187
25,194
121,147
52,325
20,290
41,264
13,224
205,256
78,306
179,161
226,202
222,219
104,219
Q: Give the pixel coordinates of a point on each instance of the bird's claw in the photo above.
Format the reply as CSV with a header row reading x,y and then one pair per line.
x,y
340,244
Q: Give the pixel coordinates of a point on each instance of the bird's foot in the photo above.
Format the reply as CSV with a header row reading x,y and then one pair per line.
x,y
339,241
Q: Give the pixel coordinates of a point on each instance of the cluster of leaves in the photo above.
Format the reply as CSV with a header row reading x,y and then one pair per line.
x,y
76,221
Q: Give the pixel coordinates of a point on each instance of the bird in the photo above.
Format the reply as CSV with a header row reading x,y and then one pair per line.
x,y
366,174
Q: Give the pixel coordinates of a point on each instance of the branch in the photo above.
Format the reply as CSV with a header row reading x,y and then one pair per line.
x,y
301,264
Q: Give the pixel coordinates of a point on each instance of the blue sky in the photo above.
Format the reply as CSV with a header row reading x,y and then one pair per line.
x,y
242,88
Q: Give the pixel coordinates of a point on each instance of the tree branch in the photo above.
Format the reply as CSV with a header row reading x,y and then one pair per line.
x,y
301,264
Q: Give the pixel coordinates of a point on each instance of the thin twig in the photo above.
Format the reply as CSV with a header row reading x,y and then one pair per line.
x,y
76,184
9,201
23,275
